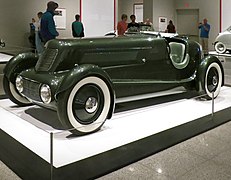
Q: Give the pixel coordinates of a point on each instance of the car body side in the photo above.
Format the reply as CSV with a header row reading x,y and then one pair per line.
x,y
225,38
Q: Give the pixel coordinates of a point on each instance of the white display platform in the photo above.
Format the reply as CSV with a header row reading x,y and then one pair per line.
x,y
4,57
125,127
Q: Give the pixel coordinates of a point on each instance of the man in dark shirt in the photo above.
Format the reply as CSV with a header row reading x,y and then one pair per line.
x,y
77,27
47,27
133,26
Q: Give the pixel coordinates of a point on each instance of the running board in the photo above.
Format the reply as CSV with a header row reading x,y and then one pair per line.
x,y
177,90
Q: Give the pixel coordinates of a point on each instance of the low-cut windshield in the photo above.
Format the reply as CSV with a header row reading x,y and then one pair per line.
x,y
229,29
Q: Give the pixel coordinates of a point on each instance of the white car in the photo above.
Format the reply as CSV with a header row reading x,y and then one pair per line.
x,y
144,29
222,42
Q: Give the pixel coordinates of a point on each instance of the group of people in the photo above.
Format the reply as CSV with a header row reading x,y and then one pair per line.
x,y
204,27
45,28
123,26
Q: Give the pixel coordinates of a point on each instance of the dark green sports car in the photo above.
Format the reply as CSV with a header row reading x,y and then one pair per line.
x,y
82,79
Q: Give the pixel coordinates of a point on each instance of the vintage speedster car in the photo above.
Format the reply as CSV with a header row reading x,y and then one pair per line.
x,y
82,79
222,42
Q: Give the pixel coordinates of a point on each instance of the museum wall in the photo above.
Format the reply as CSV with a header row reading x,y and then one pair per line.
x,y
211,13
164,8
16,16
148,9
126,7
152,9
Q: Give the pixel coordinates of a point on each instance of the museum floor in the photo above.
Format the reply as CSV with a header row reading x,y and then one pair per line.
x,y
206,156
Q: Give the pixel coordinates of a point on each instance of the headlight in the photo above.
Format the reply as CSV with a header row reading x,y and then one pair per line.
x,y
45,93
19,83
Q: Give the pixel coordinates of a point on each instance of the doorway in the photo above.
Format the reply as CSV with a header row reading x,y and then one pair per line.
x,y
187,23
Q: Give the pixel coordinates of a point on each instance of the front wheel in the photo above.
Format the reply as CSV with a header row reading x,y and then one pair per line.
x,y
84,108
213,80
13,93
220,48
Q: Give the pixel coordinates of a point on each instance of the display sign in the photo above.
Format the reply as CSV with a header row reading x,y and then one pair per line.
x,y
162,24
60,18
138,11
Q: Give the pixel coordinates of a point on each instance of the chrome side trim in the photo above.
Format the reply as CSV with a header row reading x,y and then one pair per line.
x,y
176,90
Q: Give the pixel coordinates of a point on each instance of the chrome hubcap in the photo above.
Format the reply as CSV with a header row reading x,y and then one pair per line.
x,y
215,80
91,105
221,48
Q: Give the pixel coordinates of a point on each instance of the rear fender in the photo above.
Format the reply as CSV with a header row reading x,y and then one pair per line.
x,y
201,72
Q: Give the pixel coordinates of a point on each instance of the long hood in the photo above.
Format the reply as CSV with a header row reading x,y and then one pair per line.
x,y
99,42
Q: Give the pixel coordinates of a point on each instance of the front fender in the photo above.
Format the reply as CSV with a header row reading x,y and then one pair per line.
x,y
201,72
82,71
19,63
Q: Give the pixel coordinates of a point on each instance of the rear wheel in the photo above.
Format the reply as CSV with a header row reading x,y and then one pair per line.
x,y
84,108
220,47
213,80
13,93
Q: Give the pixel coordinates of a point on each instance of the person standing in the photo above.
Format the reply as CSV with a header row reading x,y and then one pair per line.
x,y
77,27
204,35
47,27
133,25
32,34
122,25
38,41
170,28
149,23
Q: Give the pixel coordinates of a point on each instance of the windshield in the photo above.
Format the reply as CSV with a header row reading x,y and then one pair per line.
x,y
229,29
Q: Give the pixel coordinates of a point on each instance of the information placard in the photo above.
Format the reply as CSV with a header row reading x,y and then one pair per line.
x,y
60,18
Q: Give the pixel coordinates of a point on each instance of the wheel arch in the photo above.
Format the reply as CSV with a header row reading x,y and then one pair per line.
x,y
81,72
201,72
19,63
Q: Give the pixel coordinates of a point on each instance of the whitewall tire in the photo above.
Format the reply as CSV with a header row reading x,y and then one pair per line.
x,y
213,80
220,48
85,107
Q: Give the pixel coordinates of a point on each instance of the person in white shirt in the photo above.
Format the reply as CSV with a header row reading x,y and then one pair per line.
x,y
38,41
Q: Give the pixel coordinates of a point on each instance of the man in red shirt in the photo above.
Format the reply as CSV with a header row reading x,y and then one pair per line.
x,y
122,25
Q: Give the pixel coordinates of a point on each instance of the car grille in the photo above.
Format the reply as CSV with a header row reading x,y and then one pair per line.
x,y
46,60
31,89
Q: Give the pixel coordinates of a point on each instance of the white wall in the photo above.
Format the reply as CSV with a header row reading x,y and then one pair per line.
x,y
226,13
97,22
165,8
209,9
153,9
126,7
148,10
16,16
